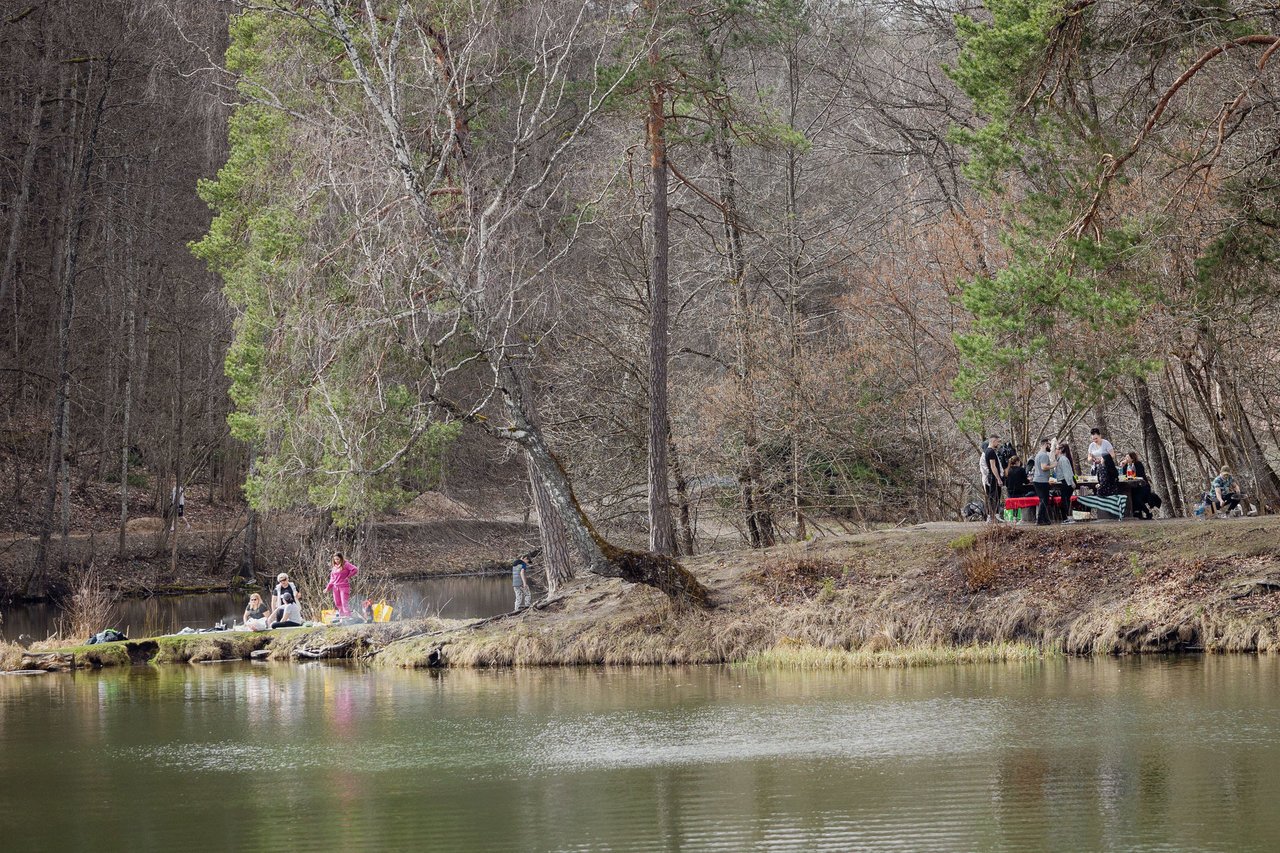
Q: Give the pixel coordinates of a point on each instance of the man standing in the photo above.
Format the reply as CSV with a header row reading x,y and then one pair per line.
x,y
1098,446
521,583
1040,480
992,479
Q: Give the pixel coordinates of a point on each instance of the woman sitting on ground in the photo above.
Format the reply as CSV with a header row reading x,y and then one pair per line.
x,y
288,614
255,613
1015,479
1223,496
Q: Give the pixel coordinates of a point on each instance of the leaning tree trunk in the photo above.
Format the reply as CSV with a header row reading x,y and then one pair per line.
x,y
551,531
600,556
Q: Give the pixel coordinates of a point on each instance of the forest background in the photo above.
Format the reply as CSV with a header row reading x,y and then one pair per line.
x,y
755,270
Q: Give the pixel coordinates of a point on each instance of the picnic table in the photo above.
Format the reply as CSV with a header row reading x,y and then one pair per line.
x,y
1129,487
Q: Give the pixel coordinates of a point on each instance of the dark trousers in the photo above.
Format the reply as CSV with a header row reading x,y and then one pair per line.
x,y
995,506
1065,492
1042,511
1142,502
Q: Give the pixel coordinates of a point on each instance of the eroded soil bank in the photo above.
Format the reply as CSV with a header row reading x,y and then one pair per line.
x,y
903,596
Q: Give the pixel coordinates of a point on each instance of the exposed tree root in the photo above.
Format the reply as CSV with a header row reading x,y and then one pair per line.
x,y
660,572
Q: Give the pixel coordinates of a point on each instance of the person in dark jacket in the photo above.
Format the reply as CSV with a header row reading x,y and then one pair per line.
x,y
1015,479
1133,468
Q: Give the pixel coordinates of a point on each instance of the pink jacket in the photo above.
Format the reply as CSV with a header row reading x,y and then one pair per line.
x,y
341,576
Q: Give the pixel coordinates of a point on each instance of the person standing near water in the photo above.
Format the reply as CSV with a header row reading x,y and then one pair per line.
x,y
340,582
520,583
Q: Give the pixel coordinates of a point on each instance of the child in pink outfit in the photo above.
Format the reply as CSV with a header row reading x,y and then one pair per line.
x,y
340,583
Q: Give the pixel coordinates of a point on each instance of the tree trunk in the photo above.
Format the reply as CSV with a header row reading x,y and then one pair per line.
x,y
1265,479
1154,449
600,556
179,487
554,538
18,207
794,250
131,346
684,521
248,566
75,225
661,526
755,500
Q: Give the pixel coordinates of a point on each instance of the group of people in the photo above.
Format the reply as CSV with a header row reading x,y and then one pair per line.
x,y
1052,471
286,607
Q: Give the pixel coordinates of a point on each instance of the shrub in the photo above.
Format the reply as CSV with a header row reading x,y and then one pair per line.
x,y
89,608
980,558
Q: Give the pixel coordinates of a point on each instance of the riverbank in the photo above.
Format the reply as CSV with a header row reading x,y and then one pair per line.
x,y
915,593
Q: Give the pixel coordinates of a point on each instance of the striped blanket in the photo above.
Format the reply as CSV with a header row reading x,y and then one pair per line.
x,y
1113,504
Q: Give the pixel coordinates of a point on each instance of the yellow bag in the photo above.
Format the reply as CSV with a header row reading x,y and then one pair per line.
x,y
382,612
327,616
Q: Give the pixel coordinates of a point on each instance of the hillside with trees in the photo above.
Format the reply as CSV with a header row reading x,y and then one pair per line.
x,y
660,276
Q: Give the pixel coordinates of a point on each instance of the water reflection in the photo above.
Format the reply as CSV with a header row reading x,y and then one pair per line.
x,y
1068,755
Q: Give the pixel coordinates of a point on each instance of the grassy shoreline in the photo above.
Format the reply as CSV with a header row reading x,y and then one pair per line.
x,y
934,594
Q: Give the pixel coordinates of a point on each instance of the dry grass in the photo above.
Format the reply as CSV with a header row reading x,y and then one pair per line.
x,y
811,658
10,655
897,598
981,554
90,607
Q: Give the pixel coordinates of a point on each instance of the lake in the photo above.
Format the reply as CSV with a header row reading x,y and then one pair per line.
x,y
1106,754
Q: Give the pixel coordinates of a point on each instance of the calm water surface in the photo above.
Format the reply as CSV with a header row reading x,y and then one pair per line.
x,y
1169,754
